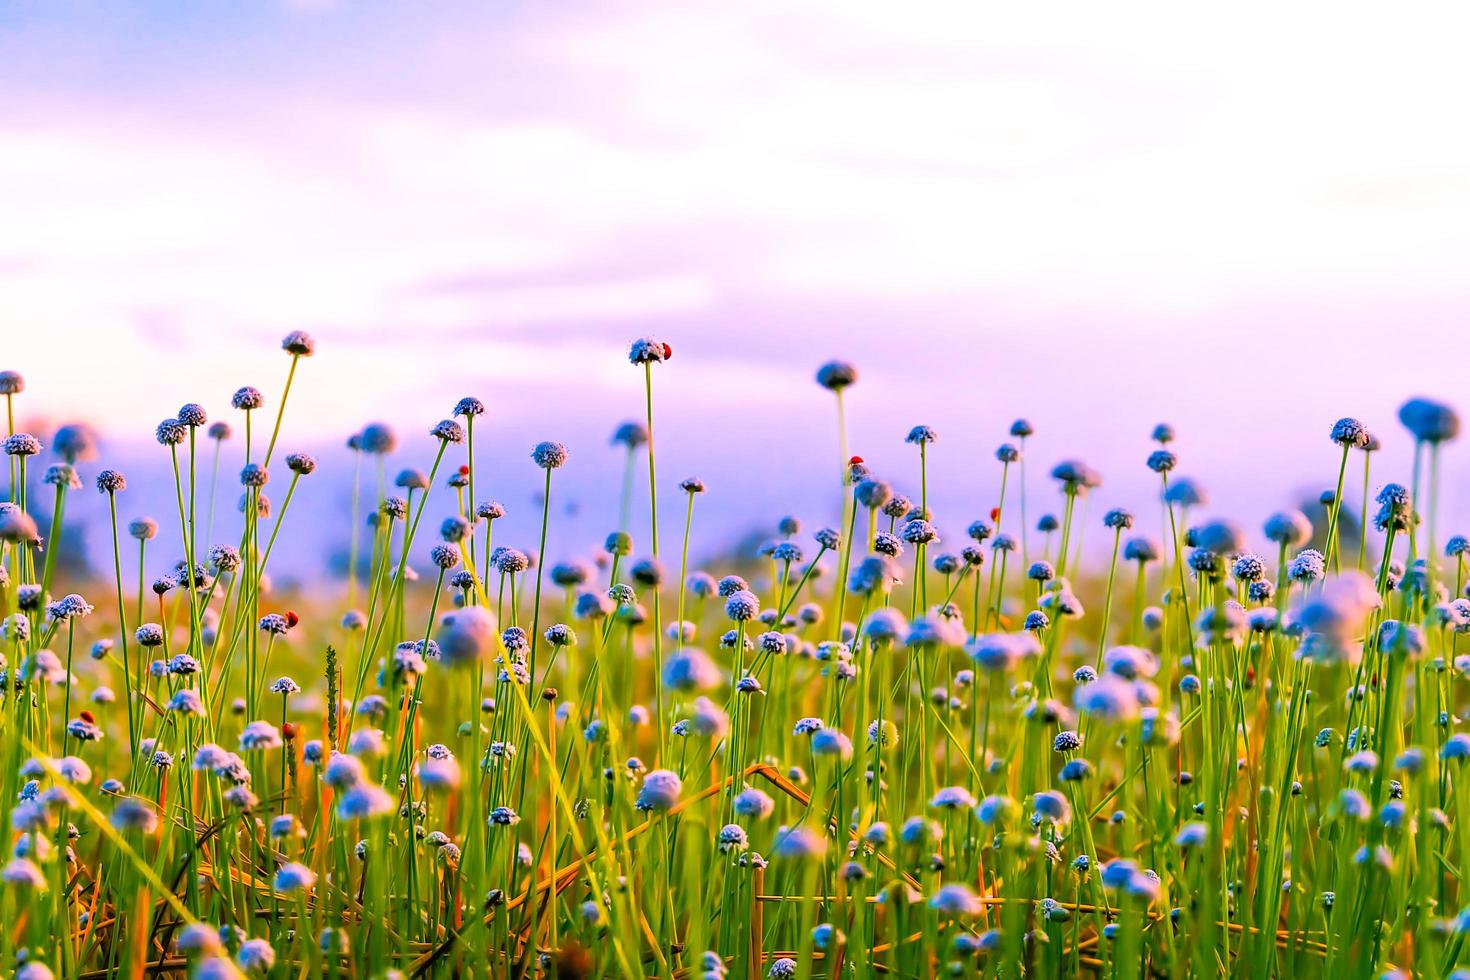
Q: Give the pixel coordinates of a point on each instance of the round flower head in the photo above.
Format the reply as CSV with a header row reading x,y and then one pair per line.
x,y
1308,566
1162,461
1248,568
1130,662
742,606
298,343
872,494
799,844
732,837
258,736
1051,806
570,574
69,607
630,435
1262,590
491,510
111,481
831,742
444,556
256,956
32,969
1076,477
1021,428
75,442
1002,651
274,624
1140,549
293,877
957,901
896,506
11,383
186,701
466,635
301,463
1429,420
1118,519
192,415
753,803
690,670
921,434
875,573
247,399
1163,433
1395,508
1349,432
134,814
885,625
710,720
254,475
170,432
836,375
952,798
647,572
1109,698
549,455
1007,453
448,430
1398,638
469,406
1288,527
62,475
378,439
19,528
1221,538
219,431
646,350
364,801
660,791
22,444
1061,599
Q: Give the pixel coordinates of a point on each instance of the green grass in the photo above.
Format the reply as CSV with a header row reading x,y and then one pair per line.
x,y
1203,764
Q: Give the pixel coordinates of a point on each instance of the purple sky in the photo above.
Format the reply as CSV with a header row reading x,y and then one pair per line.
x,y
1098,218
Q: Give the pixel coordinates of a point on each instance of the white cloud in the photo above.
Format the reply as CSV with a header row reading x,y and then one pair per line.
x,y
662,163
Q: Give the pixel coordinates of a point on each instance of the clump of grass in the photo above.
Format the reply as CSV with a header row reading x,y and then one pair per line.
x,y
1217,761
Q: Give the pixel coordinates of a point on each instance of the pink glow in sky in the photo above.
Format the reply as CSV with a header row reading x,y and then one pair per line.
x,y
1247,223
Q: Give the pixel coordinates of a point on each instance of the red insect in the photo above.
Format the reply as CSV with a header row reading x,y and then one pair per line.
x,y
292,619
995,513
854,461
464,471
288,731
668,351
87,717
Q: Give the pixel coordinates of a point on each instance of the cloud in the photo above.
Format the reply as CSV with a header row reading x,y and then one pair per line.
x,y
958,187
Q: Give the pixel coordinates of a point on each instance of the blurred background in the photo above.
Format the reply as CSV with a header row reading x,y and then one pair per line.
x,y
1245,223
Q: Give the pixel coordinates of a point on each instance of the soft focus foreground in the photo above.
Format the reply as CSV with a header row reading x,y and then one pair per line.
x,y
860,751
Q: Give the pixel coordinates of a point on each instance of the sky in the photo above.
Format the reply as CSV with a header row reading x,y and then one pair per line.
x,y
1244,222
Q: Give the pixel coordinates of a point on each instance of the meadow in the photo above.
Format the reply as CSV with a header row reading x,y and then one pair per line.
x,y
909,744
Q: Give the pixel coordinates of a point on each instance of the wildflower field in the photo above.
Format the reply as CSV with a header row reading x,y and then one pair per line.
x,y
908,744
